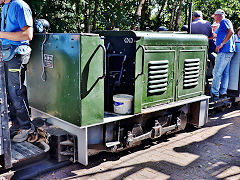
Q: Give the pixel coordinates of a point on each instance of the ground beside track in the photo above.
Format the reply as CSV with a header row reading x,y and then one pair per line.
x,y
212,152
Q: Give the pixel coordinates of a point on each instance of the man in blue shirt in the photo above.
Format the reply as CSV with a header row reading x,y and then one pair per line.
x,y
200,26
16,32
225,47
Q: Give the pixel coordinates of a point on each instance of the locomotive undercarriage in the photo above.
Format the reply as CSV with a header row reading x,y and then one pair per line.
x,y
120,132
125,134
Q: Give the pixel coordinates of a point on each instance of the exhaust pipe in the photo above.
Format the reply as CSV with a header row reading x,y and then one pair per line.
x,y
190,17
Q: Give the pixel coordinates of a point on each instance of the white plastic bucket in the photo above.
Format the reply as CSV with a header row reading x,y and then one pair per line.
x,y
122,103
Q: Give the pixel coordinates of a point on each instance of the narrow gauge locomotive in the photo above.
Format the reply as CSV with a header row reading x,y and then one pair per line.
x,y
72,79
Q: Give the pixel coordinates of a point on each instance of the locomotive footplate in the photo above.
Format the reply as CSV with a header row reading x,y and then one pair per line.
x,y
37,167
221,103
25,152
30,160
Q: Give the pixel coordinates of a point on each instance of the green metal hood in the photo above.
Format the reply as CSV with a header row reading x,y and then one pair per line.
x,y
166,38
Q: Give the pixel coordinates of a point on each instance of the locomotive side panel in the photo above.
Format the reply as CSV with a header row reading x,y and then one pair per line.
x,y
191,72
63,78
53,76
174,68
92,80
159,75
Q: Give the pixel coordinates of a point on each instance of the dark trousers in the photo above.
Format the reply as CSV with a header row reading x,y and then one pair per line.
x,y
16,91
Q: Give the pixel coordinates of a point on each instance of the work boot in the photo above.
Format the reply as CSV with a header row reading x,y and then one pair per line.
x,y
14,129
214,98
22,135
223,96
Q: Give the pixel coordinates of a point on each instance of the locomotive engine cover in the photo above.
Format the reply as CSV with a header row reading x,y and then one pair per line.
x,y
159,67
64,77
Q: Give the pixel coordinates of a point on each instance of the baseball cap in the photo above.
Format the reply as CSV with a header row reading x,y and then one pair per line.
x,y
219,11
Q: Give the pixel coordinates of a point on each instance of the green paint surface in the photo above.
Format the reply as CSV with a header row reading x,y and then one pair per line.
x,y
61,94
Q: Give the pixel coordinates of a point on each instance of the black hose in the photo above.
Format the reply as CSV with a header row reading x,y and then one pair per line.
x,y
43,75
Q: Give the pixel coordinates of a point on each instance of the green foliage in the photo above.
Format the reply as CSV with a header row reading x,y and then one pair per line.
x,y
231,8
83,15
60,14
118,14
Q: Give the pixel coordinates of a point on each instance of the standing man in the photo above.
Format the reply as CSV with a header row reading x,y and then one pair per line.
x,y
200,26
16,32
225,48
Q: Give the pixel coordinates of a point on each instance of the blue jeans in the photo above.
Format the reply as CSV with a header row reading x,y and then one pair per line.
x,y
221,73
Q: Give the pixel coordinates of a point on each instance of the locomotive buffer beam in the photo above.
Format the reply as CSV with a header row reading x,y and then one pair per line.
x,y
156,132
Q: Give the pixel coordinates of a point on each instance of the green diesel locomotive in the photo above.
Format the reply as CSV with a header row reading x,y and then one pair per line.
x,y
110,90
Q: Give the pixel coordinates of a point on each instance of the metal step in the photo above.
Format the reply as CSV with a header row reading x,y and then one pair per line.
x,y
25,151
67,153
67,143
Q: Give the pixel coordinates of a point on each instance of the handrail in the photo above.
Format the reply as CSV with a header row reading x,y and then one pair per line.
x,y
104,59
143,54
85,92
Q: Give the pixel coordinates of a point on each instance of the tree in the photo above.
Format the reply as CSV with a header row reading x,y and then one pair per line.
x,y
89,15
138,13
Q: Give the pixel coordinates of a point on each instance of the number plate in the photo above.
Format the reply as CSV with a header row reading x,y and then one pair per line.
x,y
48,60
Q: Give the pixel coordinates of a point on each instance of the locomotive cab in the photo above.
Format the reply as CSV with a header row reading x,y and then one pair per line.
x,y
120,63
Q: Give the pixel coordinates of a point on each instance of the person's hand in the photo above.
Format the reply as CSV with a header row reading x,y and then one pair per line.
x,y
214,35
219,47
